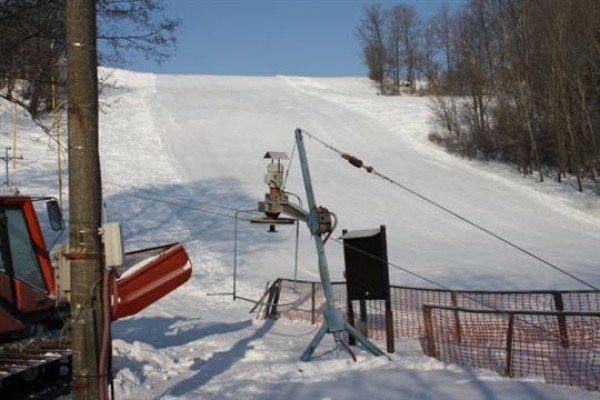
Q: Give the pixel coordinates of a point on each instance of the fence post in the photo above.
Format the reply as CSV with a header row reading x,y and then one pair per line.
x,y
562,321
362,324
259,305
312,303
269,308
509,337
351,321
456,317
389,327
429,335
276,298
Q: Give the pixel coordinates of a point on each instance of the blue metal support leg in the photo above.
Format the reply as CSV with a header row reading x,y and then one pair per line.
x,y
314,343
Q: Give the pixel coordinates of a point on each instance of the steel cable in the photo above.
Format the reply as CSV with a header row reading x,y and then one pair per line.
x,y
442,286
460,217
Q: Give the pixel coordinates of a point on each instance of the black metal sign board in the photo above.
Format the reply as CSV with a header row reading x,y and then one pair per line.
x,y
367,273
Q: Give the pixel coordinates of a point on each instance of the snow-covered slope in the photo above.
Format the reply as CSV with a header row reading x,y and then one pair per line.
x,y
218,128
181,153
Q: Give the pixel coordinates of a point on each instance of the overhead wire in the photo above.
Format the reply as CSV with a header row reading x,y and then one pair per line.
x,y
183,206
127,188
287,173
444,287
371,170
171,200
392,264
174,201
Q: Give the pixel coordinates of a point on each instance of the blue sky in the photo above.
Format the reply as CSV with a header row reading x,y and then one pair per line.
x,y
271,37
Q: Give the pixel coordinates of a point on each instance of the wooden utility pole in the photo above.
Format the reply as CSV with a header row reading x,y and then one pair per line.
x,y
85,196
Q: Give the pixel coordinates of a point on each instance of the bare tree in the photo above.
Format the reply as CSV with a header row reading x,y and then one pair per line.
x,y
395,45
526,75
371,34
441,25
130,27
531,71
31,42
428,63
32,37
406,22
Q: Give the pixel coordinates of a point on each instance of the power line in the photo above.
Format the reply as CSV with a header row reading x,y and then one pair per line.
x,y
358,163
218,206
442,286
287,173
396,266
173,201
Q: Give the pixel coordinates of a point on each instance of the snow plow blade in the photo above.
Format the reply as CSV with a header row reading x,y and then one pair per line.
x,y
147,276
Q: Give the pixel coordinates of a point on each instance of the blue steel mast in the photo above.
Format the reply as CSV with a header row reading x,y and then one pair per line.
x,y
333,321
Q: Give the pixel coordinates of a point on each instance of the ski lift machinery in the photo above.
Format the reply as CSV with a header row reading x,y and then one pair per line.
x,y
321,224
274,179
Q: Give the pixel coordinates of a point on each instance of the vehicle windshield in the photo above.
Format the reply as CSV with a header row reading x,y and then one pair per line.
x,y
24,261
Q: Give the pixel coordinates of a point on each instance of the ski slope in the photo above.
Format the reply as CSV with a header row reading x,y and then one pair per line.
x,y
218,128
181,153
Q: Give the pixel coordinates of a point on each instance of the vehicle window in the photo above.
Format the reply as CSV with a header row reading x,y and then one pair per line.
x,y
3,264
24,261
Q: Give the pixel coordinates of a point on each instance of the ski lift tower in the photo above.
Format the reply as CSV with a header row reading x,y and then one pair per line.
x,y
321,223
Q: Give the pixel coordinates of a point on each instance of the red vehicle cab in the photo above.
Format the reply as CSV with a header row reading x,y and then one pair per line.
x,y
26,276
28,286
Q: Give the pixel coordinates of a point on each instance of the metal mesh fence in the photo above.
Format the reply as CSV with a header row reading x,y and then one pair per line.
x,y
551,334
561,347
304,300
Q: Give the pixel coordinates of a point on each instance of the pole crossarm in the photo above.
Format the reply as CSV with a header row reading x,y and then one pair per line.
x,y
333,319
7,158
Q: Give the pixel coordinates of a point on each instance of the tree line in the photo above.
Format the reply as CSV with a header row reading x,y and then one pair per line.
x,y
514,80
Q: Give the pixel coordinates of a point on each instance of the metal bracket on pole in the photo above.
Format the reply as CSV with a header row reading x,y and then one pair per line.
x,y
333,319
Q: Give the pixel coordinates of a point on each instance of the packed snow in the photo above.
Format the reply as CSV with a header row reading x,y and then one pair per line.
x,y
181,153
